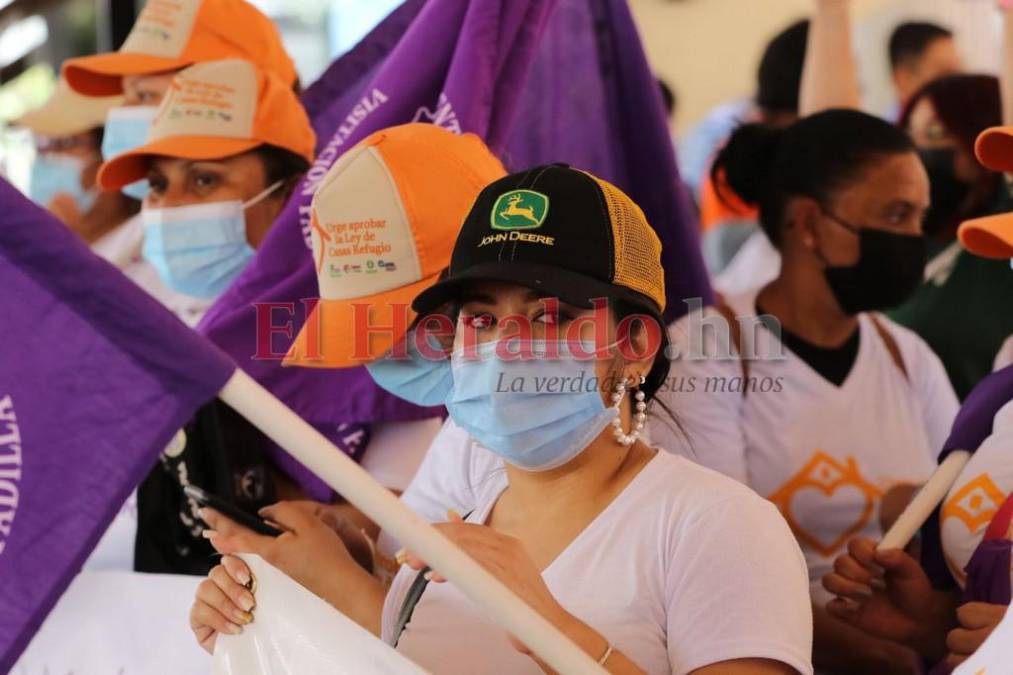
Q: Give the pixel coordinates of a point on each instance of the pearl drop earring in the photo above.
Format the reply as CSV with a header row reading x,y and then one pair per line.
x,y
638,418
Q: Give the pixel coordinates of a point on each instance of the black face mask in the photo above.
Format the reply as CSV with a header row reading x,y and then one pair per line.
x,y
947,192
889,270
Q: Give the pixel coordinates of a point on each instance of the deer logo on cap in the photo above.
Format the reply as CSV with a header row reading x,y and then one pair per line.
x,y
520,210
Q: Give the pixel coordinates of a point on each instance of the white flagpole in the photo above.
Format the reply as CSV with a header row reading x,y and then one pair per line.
x,y
346,477
925,502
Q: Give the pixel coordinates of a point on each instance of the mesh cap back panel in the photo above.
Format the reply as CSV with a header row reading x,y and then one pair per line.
x,y
637,247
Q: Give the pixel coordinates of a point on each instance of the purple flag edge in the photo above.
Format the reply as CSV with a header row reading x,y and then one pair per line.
x,y
681,247
972,426
48,240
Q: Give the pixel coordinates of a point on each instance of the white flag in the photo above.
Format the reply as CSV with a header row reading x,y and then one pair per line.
x,y
296,633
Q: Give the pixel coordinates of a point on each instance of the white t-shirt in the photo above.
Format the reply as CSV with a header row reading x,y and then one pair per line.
x,y
756,264
122,247
453,469
980,489
685,568
396,450
825,455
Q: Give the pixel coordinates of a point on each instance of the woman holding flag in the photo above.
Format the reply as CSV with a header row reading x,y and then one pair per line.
x,y
228,145
648,562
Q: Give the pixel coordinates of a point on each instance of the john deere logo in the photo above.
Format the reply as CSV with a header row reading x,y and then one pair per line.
x,y
520,210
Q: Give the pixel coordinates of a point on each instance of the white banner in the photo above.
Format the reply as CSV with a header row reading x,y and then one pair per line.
x,y
296,633
118,623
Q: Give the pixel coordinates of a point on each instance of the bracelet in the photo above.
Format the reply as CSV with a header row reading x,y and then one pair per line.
x,y
606,655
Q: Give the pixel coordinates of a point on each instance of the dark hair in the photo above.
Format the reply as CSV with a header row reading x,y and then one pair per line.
x,y
813,157
965,104
910,40
281,164
667,96
780,74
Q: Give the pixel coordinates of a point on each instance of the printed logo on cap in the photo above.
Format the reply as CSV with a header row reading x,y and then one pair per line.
x,y
519,210
213,99
163,28
364,244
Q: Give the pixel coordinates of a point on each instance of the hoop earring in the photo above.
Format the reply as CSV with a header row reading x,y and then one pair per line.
x,y
638,418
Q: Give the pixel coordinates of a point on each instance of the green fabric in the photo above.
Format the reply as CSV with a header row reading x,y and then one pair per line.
x,y
966,319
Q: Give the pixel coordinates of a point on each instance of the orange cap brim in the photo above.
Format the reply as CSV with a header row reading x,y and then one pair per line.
x,y
335,334
131,166
994,148
102,74
990,237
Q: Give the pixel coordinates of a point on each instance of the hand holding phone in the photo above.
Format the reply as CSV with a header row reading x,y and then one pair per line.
x,y
230,511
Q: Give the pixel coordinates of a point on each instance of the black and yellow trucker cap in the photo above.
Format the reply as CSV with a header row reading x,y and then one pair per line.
x,y
559,231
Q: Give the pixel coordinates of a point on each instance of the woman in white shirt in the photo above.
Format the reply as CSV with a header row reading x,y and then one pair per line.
x,y
835,413
647,562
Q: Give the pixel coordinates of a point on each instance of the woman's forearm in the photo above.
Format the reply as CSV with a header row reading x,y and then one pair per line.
x,y
595,645
830,74
355,593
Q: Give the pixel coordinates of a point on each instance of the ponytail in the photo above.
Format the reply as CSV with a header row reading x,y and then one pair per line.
x,y
814,157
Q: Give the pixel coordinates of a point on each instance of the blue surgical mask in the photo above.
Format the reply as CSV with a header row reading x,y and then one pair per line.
x,y
126,129
199,250
536,414
53,174
416,379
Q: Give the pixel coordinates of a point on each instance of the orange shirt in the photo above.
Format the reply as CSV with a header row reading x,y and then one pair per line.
x,y
717,209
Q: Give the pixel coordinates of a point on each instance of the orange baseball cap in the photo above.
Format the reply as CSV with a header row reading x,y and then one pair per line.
x,y
991,236
384,221
215,110
172,34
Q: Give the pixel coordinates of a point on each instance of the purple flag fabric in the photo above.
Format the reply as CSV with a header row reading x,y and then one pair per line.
x,y
95,380
971,427
540,81
988,573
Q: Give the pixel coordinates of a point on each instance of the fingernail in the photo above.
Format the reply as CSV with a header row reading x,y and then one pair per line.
x,y
246,602
428,576
401,556
200,514
243,578
233,629
877,584
209,534
452,513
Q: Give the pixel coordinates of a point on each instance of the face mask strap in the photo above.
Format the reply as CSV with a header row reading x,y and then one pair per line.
x,y
840,221
262,195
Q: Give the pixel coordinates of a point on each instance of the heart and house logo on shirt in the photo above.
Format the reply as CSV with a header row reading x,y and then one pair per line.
x,y
827,502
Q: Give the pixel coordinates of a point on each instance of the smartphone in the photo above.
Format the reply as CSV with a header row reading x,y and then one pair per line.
x,y
232,512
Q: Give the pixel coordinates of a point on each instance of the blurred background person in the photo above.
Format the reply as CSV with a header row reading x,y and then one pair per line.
x,y
822,395
919,53
68,132
725,221
943,119
141,71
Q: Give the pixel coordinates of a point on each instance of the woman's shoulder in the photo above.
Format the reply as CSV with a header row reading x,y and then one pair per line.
x,y
689,491
914,350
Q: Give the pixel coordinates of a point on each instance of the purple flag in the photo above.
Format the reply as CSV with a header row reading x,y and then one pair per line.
x,y
95,380
970,429
541,81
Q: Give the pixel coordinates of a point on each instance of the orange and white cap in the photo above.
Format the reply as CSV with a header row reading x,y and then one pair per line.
x,y
215,110
172,34
384,221
991,236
